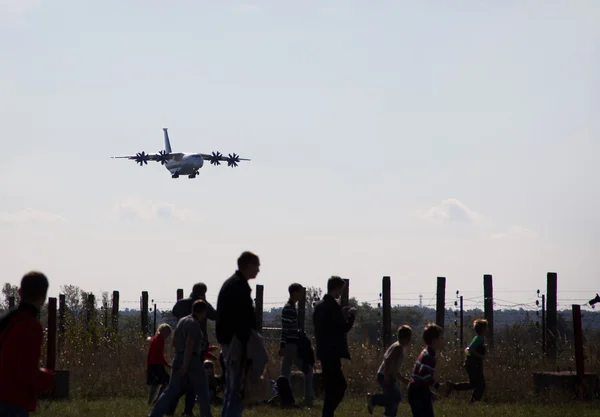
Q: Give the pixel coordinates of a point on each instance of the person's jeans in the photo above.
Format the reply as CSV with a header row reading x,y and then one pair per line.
x,y
196,375
232,398
9,410
421,401
476,380
391,397
290,357
334,383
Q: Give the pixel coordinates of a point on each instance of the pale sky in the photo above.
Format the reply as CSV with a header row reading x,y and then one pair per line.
x,y
410,139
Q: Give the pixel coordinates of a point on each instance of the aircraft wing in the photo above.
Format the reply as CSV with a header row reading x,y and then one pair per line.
x,y
143,157
216,158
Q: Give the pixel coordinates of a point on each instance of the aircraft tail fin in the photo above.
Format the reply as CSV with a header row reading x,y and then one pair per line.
x,y
167,141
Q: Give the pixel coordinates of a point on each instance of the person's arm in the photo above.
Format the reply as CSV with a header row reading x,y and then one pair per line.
x,y
28,357
287,319
211,313
389,364
477,341
161,352
187,355
245,321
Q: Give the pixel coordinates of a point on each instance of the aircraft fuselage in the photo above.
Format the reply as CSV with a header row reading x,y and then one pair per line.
x,y
185,163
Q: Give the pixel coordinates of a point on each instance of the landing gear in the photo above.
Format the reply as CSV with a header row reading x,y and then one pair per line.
x,y
175,176
193,175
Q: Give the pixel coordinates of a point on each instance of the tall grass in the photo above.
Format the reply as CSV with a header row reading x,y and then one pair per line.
x,y
103,363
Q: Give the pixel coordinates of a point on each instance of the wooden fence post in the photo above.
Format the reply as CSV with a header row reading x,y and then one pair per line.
x,y
346,293
144,312
62,311
578,336
258,303
440,308
386,321
302,310
90,309
551,316
115,311
488,306
179,294
51,347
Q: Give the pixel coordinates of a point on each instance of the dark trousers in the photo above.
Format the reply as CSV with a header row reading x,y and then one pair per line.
x,y
476,380
190,399
390,398
334,385
420,400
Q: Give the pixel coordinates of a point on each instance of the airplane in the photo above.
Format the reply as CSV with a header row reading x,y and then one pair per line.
x,y
179,163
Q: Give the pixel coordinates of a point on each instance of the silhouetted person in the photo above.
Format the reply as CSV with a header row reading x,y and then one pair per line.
x,y
474,363
331,328
181,309
188,364
422,378
21,339
290,348
236,319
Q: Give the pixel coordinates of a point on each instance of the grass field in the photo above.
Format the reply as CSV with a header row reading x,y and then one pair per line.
x,y
350,408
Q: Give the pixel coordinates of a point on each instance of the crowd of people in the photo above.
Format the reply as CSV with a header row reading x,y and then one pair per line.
x,y
242,355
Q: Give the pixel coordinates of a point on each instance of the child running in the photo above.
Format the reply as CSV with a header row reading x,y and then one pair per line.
x,y
156,374
422,378
474,364
388,372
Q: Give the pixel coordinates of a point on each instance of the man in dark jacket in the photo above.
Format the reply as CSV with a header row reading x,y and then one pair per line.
x,y
236,319
331,327
182,309
21,339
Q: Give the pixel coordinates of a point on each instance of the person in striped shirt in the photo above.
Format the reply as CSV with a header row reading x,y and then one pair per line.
x,y
289,345
422,378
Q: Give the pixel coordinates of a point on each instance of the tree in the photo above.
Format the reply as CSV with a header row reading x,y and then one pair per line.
x,y
8,291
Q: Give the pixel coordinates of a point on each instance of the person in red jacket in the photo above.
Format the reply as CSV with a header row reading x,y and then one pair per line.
x,y
156,374
21,338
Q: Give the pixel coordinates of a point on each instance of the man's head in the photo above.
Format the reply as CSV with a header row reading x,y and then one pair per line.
x,y
295,291
404,335
433,336
33,289
248,265
199,290
480,326
335,286
199,309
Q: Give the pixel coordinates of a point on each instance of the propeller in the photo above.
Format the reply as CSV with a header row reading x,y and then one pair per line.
x,y
215,158
163,157
233,160
141,158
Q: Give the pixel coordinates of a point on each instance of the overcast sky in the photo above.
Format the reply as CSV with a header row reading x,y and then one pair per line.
x,y
410,139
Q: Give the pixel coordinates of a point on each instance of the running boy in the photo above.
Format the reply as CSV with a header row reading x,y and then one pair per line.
x,y
422,378
388,372
156,374
474,363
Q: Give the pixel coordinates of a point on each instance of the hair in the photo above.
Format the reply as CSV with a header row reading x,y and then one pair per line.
x,y
34,285
480,325
295,287
432,331
163,327
199,306
199,288
335,283
404,332
246,259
